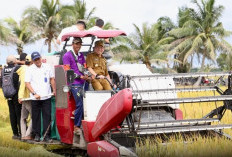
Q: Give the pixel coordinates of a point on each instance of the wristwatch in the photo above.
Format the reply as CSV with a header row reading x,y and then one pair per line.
x,y
34,93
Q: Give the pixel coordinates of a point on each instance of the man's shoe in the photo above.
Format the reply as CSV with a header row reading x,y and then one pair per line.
x,y
16,137
77,130
27,138
37,138
47,139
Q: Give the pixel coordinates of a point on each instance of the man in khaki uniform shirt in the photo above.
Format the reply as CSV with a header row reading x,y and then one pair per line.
x,y
96,64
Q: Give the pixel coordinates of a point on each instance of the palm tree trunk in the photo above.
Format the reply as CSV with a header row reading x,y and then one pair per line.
x,y
49,46
147,63
19,49
201,69
202,63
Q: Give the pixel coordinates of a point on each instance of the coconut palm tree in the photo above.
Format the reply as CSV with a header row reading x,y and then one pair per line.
x,y
145,44
22,33
139,46
200,33
70,14
46,19
224,61
4,32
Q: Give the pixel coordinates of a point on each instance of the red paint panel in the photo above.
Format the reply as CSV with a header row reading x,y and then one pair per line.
x,y
65,124
97,33
113,112
102,149
179,114
87,127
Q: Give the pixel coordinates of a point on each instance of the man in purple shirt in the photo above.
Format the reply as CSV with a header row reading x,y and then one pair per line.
x,y
76,61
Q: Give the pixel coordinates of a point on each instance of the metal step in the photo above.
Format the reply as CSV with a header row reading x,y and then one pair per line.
x,y
158,102
183,75
167,90
183,129
175,123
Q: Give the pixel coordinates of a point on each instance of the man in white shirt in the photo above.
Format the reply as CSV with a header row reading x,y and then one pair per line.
x,y
99,23
38,78
80,26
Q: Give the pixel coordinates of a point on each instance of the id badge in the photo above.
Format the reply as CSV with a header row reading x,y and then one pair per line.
x,y
45,79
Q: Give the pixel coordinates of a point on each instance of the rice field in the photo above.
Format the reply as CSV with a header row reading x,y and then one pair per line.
x,y
13,148
195,145
176,146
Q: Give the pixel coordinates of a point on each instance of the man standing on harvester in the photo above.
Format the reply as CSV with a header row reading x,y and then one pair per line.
x,y
76,61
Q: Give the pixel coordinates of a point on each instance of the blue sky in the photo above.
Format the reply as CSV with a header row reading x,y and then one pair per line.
x,y
121,13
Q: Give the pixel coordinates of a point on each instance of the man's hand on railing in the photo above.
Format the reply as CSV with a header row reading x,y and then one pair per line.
x,y
84,77
100,77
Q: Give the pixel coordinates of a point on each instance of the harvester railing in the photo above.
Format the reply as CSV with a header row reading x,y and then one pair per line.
x,y
149,97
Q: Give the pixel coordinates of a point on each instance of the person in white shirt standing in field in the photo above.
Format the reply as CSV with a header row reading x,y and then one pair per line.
x,y
39,76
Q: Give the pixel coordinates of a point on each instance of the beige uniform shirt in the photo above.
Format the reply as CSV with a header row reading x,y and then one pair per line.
x,y
98,64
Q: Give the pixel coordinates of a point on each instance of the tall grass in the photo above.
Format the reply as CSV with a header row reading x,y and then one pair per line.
x,y
13,148
195,145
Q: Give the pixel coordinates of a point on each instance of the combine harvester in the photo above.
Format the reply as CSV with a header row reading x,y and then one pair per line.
x,y
143,105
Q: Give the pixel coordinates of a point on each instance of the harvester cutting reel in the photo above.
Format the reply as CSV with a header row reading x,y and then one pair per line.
x,y
160,101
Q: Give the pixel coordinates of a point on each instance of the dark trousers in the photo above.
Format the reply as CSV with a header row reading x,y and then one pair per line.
x,y
77,95
15,114
38,107
77,92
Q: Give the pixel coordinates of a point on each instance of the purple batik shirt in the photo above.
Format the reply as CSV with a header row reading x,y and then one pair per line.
x,y
68,59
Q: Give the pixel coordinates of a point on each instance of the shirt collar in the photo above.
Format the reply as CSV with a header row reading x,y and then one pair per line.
x,y
78,54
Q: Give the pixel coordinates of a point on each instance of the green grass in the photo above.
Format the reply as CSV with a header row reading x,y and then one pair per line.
x,y
14,148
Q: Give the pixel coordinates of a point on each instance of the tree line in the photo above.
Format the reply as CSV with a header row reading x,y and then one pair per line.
x,y
197,34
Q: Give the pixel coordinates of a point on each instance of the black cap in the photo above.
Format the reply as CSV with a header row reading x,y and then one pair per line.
x,y
77,40
22,56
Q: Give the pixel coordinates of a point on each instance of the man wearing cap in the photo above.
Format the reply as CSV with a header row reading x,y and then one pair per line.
x,y
76,61
38,78
14,106
96,64
24,93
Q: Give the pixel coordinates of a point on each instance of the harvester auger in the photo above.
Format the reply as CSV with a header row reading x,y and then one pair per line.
x,y
157,98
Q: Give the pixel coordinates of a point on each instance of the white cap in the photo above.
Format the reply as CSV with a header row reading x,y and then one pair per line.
x,y
10,59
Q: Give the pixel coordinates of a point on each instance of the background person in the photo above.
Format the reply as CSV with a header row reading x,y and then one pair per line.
x,y
22,58
39,78
97,65
80,26
23,93
76,61
14,106
98,25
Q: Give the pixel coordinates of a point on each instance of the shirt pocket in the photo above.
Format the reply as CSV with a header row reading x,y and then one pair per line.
x,y
96,63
